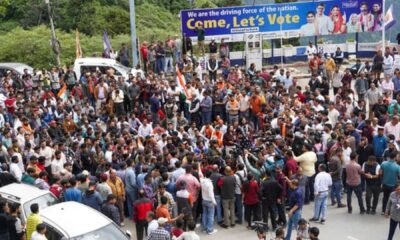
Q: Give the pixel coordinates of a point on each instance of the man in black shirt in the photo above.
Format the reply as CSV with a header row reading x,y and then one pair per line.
x,y
270,192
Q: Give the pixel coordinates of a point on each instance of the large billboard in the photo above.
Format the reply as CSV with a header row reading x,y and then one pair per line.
x,y
314,18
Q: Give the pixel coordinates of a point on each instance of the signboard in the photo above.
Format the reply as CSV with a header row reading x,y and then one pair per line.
x,y
296,19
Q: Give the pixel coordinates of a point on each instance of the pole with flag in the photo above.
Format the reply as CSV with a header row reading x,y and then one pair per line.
x,y
79,52
384,20
106,45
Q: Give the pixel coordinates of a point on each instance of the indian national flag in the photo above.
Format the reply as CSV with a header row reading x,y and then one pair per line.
x,y
182,83
63,93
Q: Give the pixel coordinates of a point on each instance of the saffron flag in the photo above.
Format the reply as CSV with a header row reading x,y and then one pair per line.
x,y
79,53
389,18
182,83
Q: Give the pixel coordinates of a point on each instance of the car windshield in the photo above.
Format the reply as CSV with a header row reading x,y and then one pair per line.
x,y
109,232
43,201
120,66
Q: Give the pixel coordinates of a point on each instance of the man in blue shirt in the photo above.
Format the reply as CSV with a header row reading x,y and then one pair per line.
x,y
130,187
396,83
73,193
295,204
380,144
390,172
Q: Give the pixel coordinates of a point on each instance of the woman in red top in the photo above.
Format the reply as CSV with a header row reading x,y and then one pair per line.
x,y
251,200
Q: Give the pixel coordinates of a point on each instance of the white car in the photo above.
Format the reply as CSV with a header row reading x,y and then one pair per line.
x,y
75,221
103,65
26,195
17,67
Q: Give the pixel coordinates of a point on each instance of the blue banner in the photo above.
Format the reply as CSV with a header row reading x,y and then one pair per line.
x,y
293,19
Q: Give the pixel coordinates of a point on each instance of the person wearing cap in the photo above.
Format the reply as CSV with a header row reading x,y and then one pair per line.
x,y
92,198
379,143
160,233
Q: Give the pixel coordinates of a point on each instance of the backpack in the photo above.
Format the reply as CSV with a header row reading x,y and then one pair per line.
x,y
241,178
320,155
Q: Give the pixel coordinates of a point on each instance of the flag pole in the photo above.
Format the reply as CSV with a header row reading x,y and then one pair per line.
x,y
384,24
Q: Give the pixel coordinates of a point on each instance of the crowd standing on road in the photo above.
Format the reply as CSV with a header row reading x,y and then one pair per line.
x,y
168,155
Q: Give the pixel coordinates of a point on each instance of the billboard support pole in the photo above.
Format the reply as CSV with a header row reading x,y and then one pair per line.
x,y
383,29
356,43
272,51
280,14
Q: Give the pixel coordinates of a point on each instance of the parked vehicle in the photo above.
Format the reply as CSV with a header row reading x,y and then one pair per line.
x,y
75,221
26,195
17,67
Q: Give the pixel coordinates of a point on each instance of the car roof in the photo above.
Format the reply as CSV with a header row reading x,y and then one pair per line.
x,y
21,192
74,218
95,60
19,67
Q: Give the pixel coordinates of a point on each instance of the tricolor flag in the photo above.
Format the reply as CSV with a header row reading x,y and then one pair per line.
x,y
389,18
106,43
182,83
79,53
63,93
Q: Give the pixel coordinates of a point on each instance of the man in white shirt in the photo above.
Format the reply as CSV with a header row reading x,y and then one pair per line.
x,y
323,181
14,168
333,114
209,203
393,127
387,64
145,129
152,222
40,232
325,24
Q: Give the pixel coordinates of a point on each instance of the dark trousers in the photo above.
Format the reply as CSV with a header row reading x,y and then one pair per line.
x,y
309,194
119,108
387,190
269,210
213,76
357,191
392,228
251,211
281,212
372,192
141,227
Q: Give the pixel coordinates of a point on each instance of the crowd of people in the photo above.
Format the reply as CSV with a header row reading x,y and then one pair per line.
x,y
231,147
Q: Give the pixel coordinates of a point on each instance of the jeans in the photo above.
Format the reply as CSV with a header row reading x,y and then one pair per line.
x,y
168,64
292,223
219,208
239,208
320,207
392,228
207,218
281,212
159,65
357,191
309,196
229,211
131,196
372,192
336,191
206,117
387,190
255,120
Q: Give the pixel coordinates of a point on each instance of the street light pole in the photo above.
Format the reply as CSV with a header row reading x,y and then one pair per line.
x,y
54,42
135,58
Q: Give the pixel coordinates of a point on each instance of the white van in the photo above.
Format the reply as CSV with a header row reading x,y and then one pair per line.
x,y
75,221
26,195
102,64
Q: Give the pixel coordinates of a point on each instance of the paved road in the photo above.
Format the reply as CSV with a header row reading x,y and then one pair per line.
x,y
339,226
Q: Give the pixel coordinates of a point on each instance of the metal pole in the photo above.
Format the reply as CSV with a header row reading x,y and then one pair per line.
x,y
383,29
280,14
53,34
135,58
